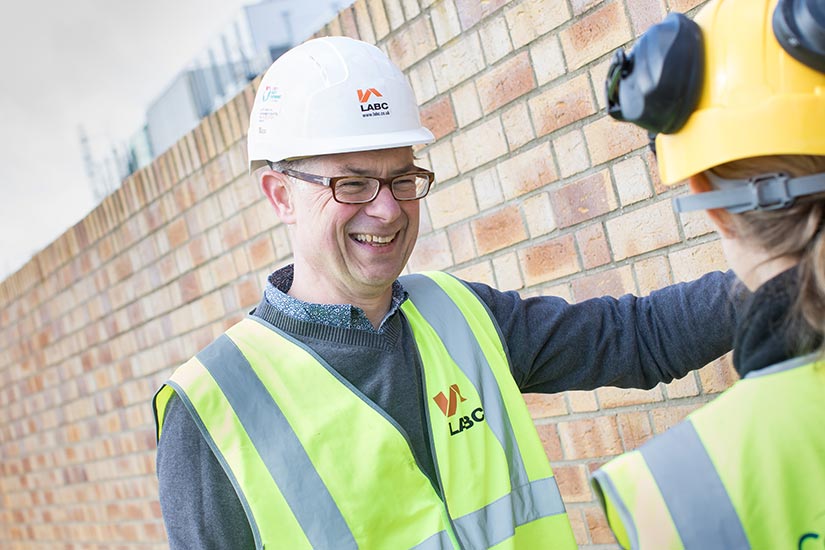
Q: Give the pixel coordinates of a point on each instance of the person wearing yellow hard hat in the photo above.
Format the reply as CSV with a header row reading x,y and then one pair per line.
x,y
736,104
358,409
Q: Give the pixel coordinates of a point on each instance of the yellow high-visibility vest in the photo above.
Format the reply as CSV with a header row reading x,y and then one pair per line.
x,y
745,471
317,464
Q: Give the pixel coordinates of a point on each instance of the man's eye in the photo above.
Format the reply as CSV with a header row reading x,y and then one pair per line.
x,y
351,186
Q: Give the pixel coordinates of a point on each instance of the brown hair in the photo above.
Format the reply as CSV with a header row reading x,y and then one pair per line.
x,y
795,232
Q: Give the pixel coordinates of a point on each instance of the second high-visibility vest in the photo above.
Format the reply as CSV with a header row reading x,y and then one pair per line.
x,y
317,464
745,471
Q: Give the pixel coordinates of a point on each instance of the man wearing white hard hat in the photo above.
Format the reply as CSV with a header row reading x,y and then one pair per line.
x,y
357,409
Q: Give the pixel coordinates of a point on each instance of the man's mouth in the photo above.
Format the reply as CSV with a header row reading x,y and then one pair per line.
x,y
374,240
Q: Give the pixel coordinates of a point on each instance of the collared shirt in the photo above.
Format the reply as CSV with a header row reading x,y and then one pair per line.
x,y
334,315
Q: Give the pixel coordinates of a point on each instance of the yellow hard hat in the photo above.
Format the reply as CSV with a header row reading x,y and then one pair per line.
x,y
756,97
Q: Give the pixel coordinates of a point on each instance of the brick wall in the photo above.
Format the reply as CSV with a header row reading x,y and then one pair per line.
x,y
538,191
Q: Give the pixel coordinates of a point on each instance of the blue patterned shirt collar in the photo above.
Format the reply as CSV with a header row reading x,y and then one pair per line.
x,y
334,315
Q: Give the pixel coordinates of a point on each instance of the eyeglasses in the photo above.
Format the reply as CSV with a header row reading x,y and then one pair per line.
x,y
363,189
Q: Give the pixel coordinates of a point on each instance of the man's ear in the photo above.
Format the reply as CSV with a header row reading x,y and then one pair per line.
x,y
720,217
277,188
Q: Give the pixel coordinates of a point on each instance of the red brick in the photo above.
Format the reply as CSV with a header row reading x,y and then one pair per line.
x,y
432,252
438,116
549,260
177,233
480,145
561,105
451,204
471,12
595,34
608,139
461,242
691,263
412,43
610,397
684,387
527,171
379,18
233,232
549,436
577,523
362,18
573,483
590,438
539,214
642,230
598,527
348,25
517,125
667,417
508,272
261,252
635,429
652,274
583,199
582,401
581,6
718,375
683,5
446,25
457,61
644,14
593,246
480,272
533,18
498,230
615,282
505,83
543,405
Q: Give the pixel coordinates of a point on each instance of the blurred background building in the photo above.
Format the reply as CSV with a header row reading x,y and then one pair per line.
x,y
257,35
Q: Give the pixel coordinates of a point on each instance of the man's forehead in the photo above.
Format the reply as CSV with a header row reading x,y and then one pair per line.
x,y
364,162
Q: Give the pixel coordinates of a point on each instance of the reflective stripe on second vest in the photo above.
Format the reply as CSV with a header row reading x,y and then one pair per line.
x,y
744,471
442,311
318,465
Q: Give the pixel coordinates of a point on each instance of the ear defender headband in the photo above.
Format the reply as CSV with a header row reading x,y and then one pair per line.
x,y
799,26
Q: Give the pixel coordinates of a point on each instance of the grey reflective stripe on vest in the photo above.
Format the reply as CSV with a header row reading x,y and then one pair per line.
x,y
494,523
700,507
439,541
278,446
788,364
452,328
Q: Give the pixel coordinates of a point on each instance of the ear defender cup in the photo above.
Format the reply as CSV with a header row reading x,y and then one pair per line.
x,y
799,26
657,85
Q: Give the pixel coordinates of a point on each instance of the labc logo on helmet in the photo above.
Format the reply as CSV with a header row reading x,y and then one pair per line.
x,y
377,108
271,93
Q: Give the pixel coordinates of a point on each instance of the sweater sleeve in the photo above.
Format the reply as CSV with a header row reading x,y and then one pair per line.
x,y
200,507
629,342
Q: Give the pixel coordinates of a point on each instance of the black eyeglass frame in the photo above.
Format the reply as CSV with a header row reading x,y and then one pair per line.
x,y
331,181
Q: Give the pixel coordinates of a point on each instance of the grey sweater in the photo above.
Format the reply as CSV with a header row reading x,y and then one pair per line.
x,y
628,342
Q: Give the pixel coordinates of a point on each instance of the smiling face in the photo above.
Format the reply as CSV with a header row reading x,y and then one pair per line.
x,y
348,253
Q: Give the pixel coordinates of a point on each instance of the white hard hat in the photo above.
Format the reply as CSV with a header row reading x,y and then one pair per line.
x,y
332,95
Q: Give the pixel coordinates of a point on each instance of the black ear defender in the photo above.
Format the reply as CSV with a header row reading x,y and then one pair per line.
x,y
657,85
799,26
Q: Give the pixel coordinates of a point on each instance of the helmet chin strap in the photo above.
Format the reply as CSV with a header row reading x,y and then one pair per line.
x,y
763,192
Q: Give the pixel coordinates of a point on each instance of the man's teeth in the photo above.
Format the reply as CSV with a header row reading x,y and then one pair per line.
x,y
373,239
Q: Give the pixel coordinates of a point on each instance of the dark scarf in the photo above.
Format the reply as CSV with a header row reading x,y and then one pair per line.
x,y
766,334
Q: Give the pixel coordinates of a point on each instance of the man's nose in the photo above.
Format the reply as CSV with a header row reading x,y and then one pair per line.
x,y
385,205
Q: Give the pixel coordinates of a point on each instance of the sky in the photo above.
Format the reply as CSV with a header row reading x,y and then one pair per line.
x,y
95,63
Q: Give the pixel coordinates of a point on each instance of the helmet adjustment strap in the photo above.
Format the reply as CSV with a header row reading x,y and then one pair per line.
x,y
763,192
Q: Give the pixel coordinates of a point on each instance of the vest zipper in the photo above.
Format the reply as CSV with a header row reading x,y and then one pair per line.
x,y
428,427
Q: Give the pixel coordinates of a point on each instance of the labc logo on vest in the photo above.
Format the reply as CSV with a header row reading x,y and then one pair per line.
x,y
448,406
